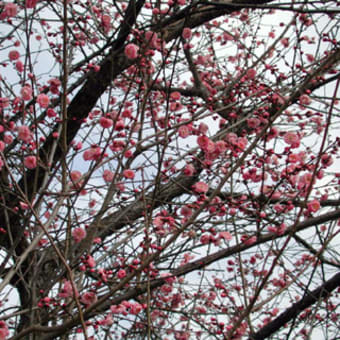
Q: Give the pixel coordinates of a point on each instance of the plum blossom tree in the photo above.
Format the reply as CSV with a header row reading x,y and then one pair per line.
x,y
169,169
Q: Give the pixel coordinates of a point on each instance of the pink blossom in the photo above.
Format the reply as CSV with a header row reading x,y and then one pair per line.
x,y
231,138
281,229
274,230
253,123
186,211
184,131
19,66
292,139
206,144
232,211
294,158
30,162
304,100
119,125
117,145
220,146
279,208
186,33
273,133
90,261
201,187
121,273
130,174
10,9
310,57
152,40
158,221
67,290
203,128
78,234
75,175
108,321
106,22
304,181
120,309
31,3
105,122
51,113
43,100
205,239
131,51
88,298
175,106
189,170
108,175
26,92
4,102
127,113
313,206
242,142
251,73
2,146
175,95
285,42
326,160
93,153
166,289
24,206
13,55
24,133
8,139
136,308
128,154
120,186
181,335
4,332
248,240
225,235
54,85
227,36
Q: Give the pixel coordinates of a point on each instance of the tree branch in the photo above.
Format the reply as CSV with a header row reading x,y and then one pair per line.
x,y
292,312
133,293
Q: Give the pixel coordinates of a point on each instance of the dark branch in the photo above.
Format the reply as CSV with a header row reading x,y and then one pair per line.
x,y
309,299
